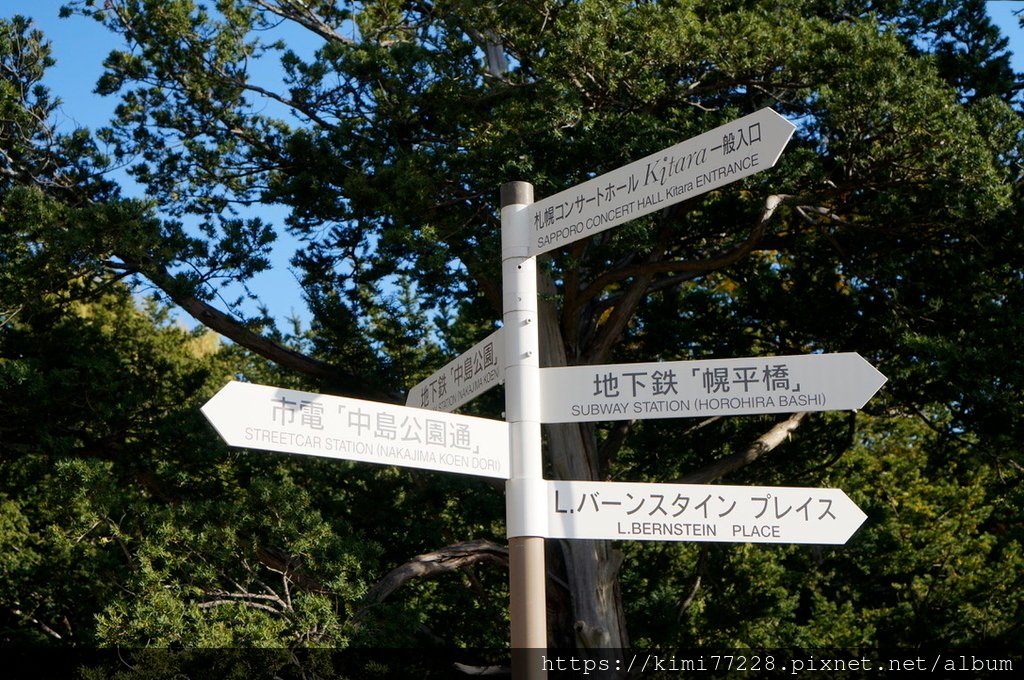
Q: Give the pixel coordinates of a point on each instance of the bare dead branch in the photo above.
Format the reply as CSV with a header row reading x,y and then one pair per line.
x,y
244,595
301,14
285,565
245,603
34,621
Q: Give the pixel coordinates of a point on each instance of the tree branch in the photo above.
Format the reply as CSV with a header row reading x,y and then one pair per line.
x,y
625,307
612,444
307,18
246,603
432,564
692,268
34,621
350,383
698,573
762,445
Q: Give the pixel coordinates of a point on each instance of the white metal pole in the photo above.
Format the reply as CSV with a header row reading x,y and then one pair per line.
x,y
525,492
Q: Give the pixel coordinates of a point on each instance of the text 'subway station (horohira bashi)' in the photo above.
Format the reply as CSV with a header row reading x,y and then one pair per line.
x,y
709,387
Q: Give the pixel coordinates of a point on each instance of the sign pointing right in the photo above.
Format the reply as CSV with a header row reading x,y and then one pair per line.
x,y
700,512
700,164
713,387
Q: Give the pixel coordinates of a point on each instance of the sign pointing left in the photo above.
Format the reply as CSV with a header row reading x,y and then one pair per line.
x,y
463,378
277,419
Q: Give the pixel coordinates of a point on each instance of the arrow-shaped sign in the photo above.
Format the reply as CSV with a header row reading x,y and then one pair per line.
x,y
698,512
471,374
276,419
713,159
715,387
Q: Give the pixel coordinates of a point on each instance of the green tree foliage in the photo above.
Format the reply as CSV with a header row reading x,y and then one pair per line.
x,y
124,522
935,560
891,226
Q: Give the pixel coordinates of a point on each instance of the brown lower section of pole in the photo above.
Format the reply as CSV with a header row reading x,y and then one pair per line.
x,y
528,609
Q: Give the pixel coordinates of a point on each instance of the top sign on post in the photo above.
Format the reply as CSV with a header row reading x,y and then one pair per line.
x,y
730,152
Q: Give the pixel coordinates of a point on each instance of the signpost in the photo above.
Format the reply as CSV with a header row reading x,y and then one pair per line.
x,y
708,161
524,491
713,387
697,512
276,419
711,160
470,375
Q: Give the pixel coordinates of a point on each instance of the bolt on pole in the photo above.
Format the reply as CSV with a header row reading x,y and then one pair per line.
x,y
526,493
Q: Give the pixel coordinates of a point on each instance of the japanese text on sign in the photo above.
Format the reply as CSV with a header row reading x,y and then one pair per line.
x,y
703,388
361,422
654,174
682,512
472,373
710,160
257,416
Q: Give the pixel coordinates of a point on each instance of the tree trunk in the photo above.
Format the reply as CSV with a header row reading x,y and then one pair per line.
x,y
596,618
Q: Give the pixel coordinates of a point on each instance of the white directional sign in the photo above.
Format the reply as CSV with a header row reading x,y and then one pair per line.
x,y
713,387
713,159
276,419
471,374
696,512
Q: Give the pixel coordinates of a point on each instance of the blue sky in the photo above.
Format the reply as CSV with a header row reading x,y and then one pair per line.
x,y
80,45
